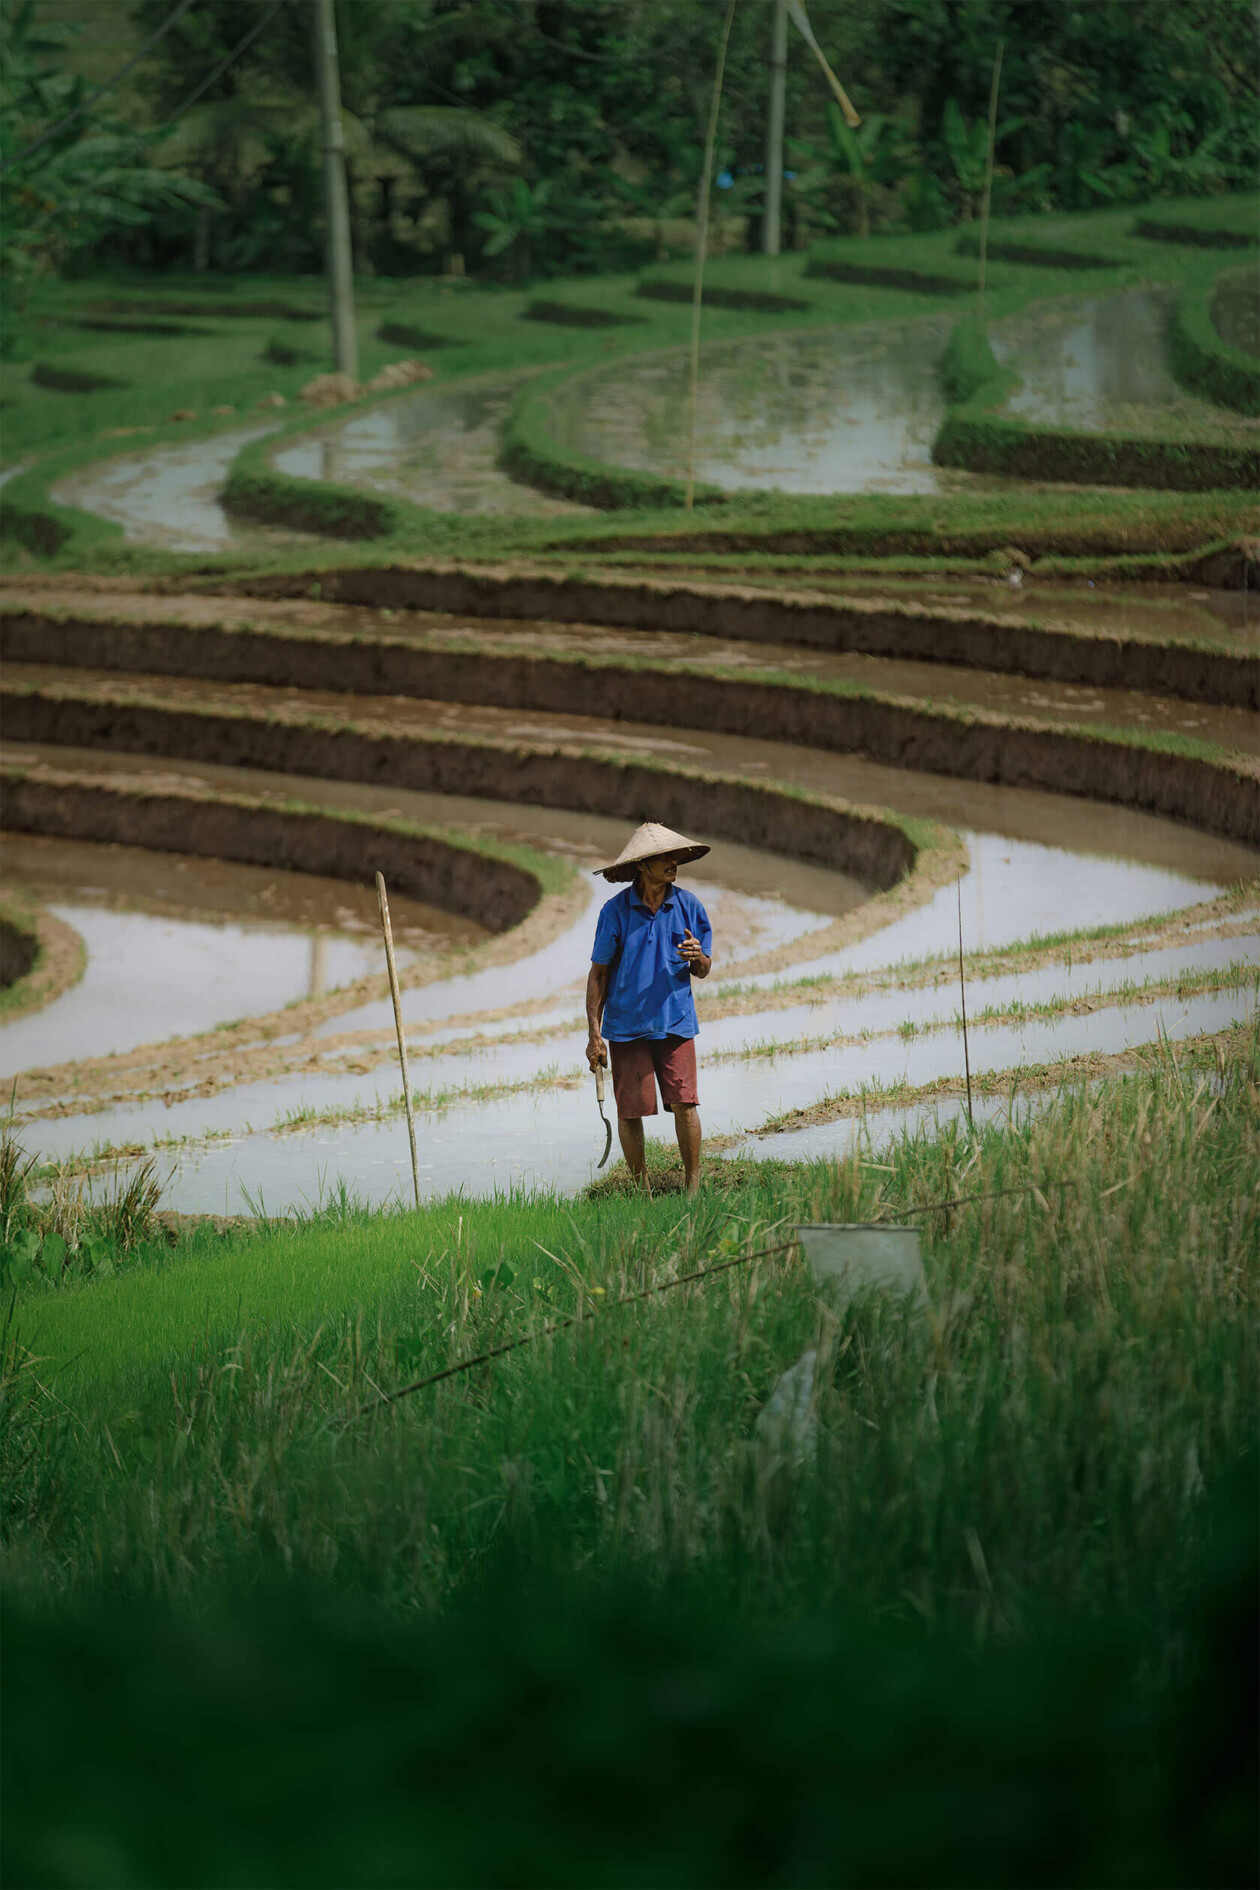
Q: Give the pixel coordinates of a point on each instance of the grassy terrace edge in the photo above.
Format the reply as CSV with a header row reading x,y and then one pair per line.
x,y
497,885
871,525
972,436
1201,357
44,955
882,627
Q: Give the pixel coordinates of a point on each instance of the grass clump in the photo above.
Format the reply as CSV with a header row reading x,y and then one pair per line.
x,y
63,1238
970,365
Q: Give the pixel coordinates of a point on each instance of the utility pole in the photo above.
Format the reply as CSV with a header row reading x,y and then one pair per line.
x,y
336,200
772,218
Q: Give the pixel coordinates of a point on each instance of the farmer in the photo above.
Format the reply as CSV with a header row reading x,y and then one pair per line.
x,y
650,942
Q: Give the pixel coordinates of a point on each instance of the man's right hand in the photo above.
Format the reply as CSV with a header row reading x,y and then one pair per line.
x,y
596,1052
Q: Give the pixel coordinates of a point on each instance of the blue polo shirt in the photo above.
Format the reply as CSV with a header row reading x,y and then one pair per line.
x,y
649,993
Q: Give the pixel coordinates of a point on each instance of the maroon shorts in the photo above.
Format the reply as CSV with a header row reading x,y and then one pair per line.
x,y
638,1066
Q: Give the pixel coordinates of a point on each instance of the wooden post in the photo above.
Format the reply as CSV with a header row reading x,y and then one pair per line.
x,y
772,201
988,170
336,199
962,992
702,240
398,1026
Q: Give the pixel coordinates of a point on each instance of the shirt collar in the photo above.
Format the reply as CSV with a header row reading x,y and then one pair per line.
x,y
666,904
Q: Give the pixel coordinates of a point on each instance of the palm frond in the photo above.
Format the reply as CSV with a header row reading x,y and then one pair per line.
x,y
424,130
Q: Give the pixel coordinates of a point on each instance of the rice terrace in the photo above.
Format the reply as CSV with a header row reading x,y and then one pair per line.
x,y
629,942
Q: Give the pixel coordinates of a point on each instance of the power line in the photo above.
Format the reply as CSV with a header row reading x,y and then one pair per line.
x,y
221,68
71,117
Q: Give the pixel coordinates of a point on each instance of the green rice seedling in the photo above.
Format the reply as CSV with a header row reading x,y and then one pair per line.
x,y
16,1169
131,1216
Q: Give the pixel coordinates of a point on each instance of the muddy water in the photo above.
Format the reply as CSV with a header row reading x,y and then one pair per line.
x,y
555,1138
821,410
148,979
749,1058
169,495
439,448
177,945
1099,363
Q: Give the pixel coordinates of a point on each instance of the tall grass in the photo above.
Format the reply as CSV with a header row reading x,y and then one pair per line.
x,y
1042,1440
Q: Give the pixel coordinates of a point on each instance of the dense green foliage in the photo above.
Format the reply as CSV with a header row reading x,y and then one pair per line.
x,y
71,170
546,1733
559,135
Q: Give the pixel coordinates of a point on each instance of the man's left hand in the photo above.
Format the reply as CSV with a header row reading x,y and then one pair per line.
x,y
697,959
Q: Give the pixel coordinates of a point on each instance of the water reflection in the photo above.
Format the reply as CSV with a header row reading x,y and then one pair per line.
x,y
169,495
1099,363
150,978
439,448
177,945
825,410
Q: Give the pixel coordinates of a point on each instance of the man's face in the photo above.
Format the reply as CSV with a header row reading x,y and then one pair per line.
x,y
660,870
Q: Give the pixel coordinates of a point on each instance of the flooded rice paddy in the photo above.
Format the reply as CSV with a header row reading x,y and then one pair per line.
x,y
840,409
168,496
823,410
1100,364
177,945
439,448
496,1053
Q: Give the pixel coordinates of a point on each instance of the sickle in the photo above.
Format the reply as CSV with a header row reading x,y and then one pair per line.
x,y
599,1097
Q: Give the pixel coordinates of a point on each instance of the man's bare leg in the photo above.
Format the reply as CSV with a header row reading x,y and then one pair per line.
x,y
630,1129
687,1129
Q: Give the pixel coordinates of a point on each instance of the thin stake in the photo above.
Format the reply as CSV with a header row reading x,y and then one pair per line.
x,y
988,169
562,1325
962,986
702,243
398,1026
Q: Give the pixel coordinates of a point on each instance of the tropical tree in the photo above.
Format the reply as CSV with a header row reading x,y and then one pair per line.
x,y
70,171
238,143
1168,159
521,220
853,161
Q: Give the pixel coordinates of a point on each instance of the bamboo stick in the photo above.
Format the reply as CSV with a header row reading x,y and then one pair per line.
x,y
398,1026
988,169
962,991
702,242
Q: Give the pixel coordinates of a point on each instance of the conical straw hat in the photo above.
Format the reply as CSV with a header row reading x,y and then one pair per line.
x,y
647,841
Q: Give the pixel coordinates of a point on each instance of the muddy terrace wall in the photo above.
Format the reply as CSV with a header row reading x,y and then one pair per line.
x,y
494,892
18,952
772,817
1006,644
1216,796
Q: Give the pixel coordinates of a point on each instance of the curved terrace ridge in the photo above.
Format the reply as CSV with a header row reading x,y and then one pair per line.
x,y
473,879
1210,788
